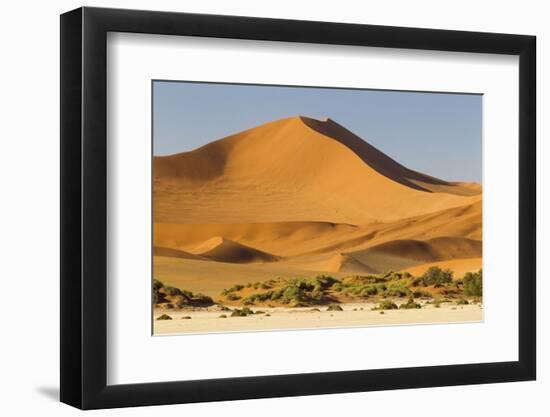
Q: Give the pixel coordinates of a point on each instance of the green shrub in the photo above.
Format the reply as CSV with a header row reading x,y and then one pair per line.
x,y
462,302
473,283
201,300
234,288
397,290
410,304
157,285
293,293
386,305
223,316
334,307
238,313
247,311
421,293
164,317
233,297
437,276
324,281
248,301
172,291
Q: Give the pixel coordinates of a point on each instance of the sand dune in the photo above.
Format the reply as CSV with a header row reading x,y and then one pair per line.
x,y
427,250
345,263
212,277
220,249
292,170
299,238
397,255
175,253
278,237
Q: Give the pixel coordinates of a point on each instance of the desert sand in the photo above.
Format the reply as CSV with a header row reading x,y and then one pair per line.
x,y
354,315
299,197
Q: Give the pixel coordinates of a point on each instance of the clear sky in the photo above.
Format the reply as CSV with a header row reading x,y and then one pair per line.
x,y
437,134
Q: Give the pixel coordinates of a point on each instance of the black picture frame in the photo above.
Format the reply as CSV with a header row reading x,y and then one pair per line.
x,y
84,208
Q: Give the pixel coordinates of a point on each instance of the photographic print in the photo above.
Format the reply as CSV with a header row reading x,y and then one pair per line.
x,y
285,207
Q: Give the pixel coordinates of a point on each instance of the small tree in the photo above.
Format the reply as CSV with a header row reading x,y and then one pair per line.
x,y
437,276
473,283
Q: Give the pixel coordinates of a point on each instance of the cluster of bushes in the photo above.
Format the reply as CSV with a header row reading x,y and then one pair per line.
x,y
325,289
234,288
258,285
295,292
410,304
245,311
386,305
472,283
176,297
394,285
436,276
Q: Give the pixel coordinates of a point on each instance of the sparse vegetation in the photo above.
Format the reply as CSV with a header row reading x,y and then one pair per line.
x,y
238,313
171,297
410,304
164,317
233,297
386,305
334,307
435,283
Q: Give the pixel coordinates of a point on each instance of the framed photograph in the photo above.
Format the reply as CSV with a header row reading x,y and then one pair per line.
x,y
257,208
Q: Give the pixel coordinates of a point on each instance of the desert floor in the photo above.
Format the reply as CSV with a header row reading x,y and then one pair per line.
x,y
354,315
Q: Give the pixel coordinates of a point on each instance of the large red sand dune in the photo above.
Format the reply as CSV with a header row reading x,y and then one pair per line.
x,y
303,194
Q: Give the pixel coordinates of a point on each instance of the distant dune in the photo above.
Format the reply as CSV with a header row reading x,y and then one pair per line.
x,y
298,197
345,263
401,254
175,253
223,250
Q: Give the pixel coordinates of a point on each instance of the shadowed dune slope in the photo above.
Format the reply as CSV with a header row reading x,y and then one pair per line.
x,y
398,255
345,263
383,163
278,237
220,249
295,169
174,253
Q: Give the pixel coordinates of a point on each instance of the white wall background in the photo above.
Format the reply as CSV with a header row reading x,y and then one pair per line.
x,y
29,177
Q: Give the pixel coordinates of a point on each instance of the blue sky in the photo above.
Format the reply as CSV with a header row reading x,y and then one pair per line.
x,y
438,134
